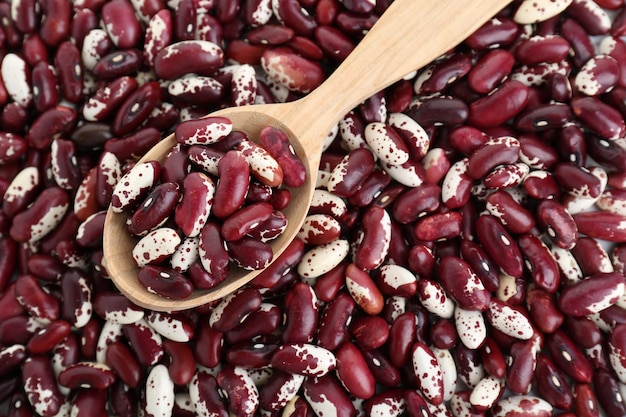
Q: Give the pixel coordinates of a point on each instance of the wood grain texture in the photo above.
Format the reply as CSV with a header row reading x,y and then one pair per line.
x,y
409,35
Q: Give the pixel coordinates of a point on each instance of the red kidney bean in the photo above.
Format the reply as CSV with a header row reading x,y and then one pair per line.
x,y
497,31
607,392
567,357
117,64
206,58
55,25
363,290
499,245
443,72
45,92
502,150
233,185
262,322
353,372
86,375
249,253
402,335
234,308
516,218
53,122
543,310
165,282
255,355
70,72
34,298
334,322
504,103
439,226
374,246
432,111
551,383
585,402
136,108
124,364
208,345
301,316
600,225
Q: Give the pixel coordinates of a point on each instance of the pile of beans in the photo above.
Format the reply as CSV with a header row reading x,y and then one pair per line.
x,y
217,197
483,275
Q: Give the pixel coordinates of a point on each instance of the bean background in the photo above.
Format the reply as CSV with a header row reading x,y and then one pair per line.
x,y
61,127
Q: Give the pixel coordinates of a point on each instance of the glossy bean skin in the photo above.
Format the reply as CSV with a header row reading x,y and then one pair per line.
x,y
499,245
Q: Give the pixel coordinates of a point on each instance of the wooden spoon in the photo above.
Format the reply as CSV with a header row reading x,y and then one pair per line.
x,y
409,35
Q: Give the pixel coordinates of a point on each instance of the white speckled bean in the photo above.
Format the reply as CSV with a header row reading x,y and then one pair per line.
x,y
159,392
323,258
156,246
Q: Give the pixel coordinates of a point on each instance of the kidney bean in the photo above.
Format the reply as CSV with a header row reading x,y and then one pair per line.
x,y
136,108
609,398
334,322
40,386
364,290
470,326
596,293
326,393
123,363
234,308
499,245
432,111
353,372
374,246
301,316
568,357
496,31
144,341
204,396
543,310
504,103
304,359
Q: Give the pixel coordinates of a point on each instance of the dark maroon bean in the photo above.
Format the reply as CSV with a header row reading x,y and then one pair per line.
x,y
568,358
499,245
136,107
607,392
497,31
165,282
551,383
56,22
70,72
55,121
481,264
333,324
117,64
122,362
435,111
560,225
45,91
579,40
505,102
156,208
301,314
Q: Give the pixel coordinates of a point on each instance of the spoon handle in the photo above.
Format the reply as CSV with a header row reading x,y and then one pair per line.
x,y
410,34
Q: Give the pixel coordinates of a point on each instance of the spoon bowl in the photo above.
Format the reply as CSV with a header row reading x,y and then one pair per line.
x,y
386,54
